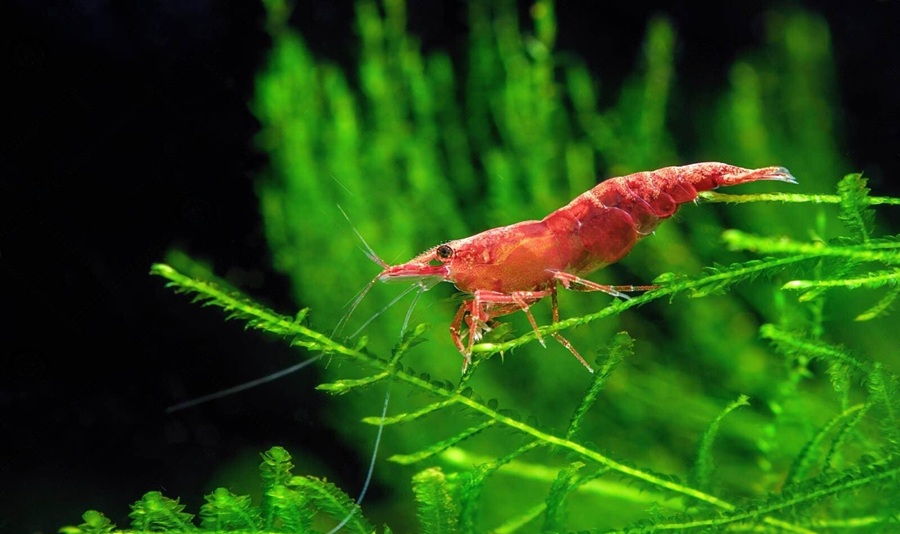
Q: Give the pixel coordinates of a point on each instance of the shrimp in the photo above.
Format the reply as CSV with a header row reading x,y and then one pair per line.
x,y
507,269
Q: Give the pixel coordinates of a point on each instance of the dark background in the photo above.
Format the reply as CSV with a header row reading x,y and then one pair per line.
x,y
127,132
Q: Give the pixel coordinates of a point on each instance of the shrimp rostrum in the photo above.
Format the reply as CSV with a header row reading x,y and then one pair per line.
x,y
507,269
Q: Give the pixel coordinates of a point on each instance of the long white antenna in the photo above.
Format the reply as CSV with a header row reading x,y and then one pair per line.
x,y
365,488
384,408
384,309
241,387
368,250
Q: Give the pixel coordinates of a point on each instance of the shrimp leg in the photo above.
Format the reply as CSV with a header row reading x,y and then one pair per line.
x,y
576,283
485,305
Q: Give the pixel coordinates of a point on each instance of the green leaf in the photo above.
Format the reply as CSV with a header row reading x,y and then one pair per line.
x,y
555,517
882,386
287,510
94,523
436,508
618,349
279,503
343,386
226,511
704,465
814,451
329,499
276,466
405,459
409,416
155,512
882,307
855,212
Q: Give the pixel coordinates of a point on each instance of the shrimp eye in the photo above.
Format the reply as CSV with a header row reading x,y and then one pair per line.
x,y
444,252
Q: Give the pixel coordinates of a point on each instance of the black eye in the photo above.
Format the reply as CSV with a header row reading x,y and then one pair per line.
x,y
444,252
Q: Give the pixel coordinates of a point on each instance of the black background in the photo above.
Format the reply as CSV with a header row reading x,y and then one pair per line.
x,y
127,132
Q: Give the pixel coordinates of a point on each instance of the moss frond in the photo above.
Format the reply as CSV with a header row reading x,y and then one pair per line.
x,y
880,385
281,505
470,485
702,473
226,511
618,349
286,509
442,445
94,523
796,498
239,307
856,213
289,504
882,307
276,467
330,500
815,451
157,513
436,508
410,416
555,514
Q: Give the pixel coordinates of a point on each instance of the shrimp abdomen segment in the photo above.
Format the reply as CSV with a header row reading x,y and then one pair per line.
x,y
610,218
595,235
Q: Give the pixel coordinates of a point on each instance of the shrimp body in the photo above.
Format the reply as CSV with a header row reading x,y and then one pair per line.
x,y
509,268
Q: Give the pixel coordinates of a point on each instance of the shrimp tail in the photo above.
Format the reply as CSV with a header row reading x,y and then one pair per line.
x,y
655,195
736,175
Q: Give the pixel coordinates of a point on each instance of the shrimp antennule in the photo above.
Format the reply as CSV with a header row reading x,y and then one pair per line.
x,y
370,253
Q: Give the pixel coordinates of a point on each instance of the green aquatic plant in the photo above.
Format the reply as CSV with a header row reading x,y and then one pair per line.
x,y
754,390
289,504
852,459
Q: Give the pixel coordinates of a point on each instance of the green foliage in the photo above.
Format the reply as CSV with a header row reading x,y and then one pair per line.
x,y
158,513
703,468
289,504
619,348
855,212
794,310
565,483
851,463
94,523
437,510
329,499
226,511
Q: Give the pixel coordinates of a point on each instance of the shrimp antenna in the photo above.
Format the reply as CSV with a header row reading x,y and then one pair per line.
x,y
412,305
242,387
365,488
384,407
296,367
368,250
351,307
362,293
379,312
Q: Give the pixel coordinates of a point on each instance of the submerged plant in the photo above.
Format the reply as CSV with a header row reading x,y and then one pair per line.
x,y
843,473
734,396
289,504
